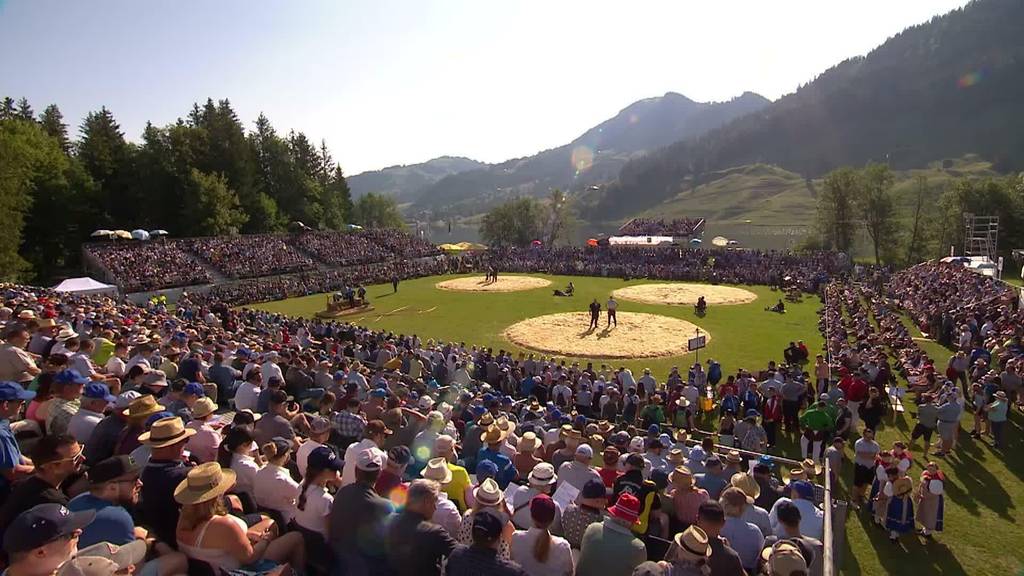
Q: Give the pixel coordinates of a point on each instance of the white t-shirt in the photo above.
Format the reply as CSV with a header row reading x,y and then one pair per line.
x,y
82,423
302,455
274,488
247,396
314,514
348,473
245,468
559,561
115,366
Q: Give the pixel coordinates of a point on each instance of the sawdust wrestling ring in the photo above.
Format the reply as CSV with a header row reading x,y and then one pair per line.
x,y
679,294
503,284
638,335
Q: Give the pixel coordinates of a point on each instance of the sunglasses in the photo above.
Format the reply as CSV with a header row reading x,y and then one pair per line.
x,y
77,457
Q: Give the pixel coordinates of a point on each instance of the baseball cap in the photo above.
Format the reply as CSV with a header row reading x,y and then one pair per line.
x,y
98,391
400,455
585,450
113,467
43,524
379,393
13,391
194,389
487,525
319,425
594,488
486,469
369,460
70,377
323,458
104,555
339,375
804,489
653,430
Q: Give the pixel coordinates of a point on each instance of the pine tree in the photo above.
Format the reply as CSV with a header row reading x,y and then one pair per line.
x,y
7,109
25,111
53,124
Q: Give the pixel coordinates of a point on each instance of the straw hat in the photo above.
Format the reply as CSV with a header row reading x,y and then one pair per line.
x,y
604,427
203,407
27,314
902,486
681,477
437,470
142,406
1001,395
797,474
494,435
543,474
166,432
204,482
675,457
505,424
692,544
747,484
811,468
488,493
66,333
529,442
784,557
486,420
733,457
682,402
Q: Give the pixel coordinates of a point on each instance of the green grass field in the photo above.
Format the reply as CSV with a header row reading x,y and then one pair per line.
x,y
984,489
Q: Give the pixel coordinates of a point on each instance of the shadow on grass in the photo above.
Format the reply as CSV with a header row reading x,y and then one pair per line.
x,y
385,295
979,484
912,553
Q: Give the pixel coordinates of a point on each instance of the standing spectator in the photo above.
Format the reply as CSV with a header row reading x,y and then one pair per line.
x,y
357,524
482,556
996,411
744,537
416,544
610,548
789,521
724,560
586,510
540,553
374,433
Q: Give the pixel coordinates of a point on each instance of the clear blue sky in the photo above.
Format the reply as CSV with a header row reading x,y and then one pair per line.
x,y
396,82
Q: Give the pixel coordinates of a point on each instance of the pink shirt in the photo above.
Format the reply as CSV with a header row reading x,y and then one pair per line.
x,y
203,446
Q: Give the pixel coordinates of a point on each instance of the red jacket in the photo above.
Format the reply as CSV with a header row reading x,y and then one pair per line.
x,y
854,389
772,409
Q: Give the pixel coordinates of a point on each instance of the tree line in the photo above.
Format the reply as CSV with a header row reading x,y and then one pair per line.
x,y
202,175
923,224
520,221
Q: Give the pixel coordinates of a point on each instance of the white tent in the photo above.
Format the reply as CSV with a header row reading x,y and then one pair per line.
x,y
86,286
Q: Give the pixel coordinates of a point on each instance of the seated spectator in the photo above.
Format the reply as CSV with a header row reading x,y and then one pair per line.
x,y
418,545
206,532
42,538
482,556
56,458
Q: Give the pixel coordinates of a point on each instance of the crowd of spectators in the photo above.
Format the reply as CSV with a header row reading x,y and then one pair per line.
x,y
342,249
660,227
250,255
139,267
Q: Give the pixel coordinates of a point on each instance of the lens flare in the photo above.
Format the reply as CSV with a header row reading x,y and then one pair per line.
x,y
970,79
398,496
582,158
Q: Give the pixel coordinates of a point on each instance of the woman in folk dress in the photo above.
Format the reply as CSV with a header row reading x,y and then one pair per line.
x,y
930,500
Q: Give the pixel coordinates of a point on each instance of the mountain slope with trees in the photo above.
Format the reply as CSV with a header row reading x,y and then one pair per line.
x,y
594,157
942,89
406,183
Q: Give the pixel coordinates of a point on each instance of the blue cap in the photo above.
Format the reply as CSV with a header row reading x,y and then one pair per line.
x,y
323,458
477,411
339,375
13,391
70,377
488,397
753,413
766,460
486,469
98,391
379,393
804,489
581,419
654,430
194,389
556,414
565,419
42,524
158,416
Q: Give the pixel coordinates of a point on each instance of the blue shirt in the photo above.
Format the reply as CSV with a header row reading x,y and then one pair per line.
x,y
526,386
112,524
506,471
10,453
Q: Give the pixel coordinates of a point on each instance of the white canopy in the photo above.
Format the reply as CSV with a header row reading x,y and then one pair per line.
x,y
86,286
639,240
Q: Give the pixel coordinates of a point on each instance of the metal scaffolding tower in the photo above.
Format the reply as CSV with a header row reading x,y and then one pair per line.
x,y
981,236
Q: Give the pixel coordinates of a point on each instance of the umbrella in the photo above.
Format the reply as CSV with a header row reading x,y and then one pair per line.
x,y
720,241
140,234
536,243
592,242
123,234
695,241
101,233
158,232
